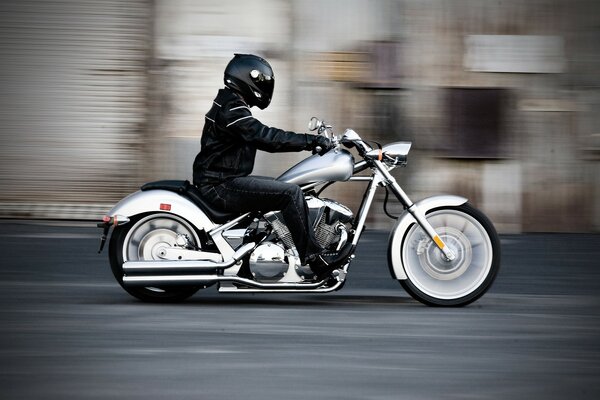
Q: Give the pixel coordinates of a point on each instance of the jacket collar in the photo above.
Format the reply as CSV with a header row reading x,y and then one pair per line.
x,y
226,94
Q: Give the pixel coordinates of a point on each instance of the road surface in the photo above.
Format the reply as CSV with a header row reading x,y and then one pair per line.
x,y
69,332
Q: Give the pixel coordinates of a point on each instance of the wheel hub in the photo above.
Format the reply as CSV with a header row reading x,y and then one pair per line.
x,y
152,245
435,263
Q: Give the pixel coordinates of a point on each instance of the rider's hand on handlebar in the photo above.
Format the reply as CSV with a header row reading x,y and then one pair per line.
x,y
320,144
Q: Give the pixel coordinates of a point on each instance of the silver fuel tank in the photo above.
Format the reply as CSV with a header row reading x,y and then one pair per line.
x,y
331,166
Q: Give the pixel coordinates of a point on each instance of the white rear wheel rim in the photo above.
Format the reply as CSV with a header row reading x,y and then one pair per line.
x,y
149,235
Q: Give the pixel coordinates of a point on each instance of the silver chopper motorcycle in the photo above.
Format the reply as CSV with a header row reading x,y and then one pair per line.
x,y
167,242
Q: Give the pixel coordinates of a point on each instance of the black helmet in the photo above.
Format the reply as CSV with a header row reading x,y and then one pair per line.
x,y
252,77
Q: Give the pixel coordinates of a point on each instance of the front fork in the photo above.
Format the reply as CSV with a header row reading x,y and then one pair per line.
x,y
388,180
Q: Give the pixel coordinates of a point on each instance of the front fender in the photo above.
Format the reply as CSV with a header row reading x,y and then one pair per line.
x,y
405,222
142,202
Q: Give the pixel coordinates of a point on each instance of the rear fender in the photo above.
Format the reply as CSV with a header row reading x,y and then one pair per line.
x,y
405,222
142,202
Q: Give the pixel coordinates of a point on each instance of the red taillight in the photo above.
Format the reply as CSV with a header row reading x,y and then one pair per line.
x,y
106,219
165,207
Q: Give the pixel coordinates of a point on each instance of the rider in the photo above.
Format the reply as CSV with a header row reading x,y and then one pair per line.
x,y
230,139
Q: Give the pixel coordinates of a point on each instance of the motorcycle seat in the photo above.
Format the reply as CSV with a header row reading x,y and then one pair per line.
x,y
186,189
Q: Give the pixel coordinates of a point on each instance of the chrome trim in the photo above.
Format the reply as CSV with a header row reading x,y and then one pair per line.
x,y
300,289
203,279
290,288
343,237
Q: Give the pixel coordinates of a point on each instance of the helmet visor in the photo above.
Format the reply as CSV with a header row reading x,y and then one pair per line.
x,y
264,85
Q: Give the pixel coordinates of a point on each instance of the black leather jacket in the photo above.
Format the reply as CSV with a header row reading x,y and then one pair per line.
x,y
231,137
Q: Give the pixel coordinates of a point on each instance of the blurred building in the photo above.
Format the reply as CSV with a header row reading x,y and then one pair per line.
x,y
501,99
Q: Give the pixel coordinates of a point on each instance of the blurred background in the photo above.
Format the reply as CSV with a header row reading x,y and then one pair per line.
x,y
500,98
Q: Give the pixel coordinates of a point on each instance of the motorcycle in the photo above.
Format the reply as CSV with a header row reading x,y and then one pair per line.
x,y
167,242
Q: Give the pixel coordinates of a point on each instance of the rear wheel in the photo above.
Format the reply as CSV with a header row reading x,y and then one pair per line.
x,y
142,239
434,280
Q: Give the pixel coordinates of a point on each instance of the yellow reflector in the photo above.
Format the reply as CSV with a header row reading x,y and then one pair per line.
x,y
439,242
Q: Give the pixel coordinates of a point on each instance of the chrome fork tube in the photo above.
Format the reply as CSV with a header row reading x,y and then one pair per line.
x,y
366,204
413,210
391,181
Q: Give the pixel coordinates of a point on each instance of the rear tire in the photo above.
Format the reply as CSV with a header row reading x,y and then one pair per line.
x,y
435,281
137,240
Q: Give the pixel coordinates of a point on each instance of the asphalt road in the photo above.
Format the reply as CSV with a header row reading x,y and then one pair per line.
x,y
69,332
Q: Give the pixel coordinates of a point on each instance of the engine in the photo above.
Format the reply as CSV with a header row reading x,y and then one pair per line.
x,y
272,260
329,219
268,262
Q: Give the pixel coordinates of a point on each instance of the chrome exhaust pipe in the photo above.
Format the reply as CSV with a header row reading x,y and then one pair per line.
x,y
165,267
251,286
191,267
165,280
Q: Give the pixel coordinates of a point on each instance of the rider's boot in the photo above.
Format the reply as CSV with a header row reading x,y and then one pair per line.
x,y
325,263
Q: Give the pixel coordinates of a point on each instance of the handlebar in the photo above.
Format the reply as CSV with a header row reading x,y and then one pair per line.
x,y
349,139
391,155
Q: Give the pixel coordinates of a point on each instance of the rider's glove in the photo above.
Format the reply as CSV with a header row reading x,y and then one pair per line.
x,y
319,144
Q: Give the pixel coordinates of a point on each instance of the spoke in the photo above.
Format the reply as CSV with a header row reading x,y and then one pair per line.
x,y
476,244
465,226
445,221
442,229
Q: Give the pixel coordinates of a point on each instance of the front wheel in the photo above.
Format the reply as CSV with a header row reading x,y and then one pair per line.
x,y
432,279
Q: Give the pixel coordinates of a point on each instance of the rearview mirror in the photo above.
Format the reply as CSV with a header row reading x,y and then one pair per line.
x,y
314,124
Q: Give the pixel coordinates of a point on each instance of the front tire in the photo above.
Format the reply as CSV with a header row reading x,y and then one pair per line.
x,y
138,240
435,281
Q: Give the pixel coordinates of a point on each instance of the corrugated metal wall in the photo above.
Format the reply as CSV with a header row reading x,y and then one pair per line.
x,y
73,100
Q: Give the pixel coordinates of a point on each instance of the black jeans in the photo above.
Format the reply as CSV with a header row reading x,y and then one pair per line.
x,y
256,193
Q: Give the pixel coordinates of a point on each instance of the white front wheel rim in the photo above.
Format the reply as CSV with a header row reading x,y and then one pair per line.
x,y
431,273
